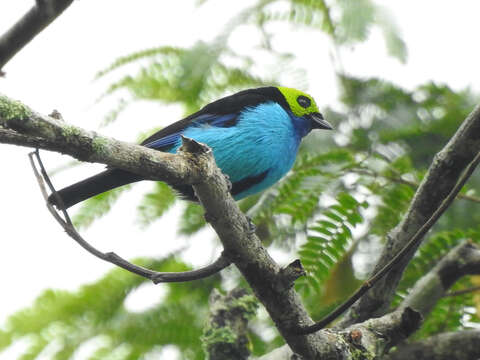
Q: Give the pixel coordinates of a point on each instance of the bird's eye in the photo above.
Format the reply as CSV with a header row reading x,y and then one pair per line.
x,y
303,101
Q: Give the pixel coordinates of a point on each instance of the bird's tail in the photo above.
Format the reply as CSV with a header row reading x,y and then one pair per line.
x,y
97,184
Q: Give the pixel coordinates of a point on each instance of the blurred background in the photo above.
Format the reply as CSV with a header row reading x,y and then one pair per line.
x,y
394,78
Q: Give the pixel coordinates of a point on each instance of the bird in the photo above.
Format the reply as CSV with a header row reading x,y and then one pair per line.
x,y
254,135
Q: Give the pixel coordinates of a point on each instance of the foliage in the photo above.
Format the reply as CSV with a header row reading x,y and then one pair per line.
x,y
156,203
98,310
338,198
191,77
329,239
96,207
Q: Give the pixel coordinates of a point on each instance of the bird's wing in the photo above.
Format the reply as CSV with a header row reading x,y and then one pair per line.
x,y
222,113
168,136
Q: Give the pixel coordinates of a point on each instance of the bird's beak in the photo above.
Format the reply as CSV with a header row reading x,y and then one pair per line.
x,y
318,122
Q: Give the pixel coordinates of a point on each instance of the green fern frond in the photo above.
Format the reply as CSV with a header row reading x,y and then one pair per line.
x,y
155,203
134,57
192,77
283,212
113,114
314,14
71,318
192,219
384,179
97,206
295,184
329,238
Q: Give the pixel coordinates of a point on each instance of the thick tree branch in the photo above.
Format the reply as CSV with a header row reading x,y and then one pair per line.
x,y
244,248
29,26
281,353
462,260
459,345
19,125
442,176
368,340
376,336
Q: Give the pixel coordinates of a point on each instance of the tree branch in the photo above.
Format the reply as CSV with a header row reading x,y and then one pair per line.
x,y
443,174
368,340
463,291
459,345
399,180
30,25
21,126
462,260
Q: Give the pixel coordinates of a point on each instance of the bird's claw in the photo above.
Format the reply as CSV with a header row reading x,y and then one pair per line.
x,y
229,183
209,218
251,226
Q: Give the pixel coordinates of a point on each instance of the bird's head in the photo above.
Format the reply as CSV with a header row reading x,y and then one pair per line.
x,y
303,106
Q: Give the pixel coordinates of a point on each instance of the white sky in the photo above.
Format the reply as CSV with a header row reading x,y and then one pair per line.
x,y
55,71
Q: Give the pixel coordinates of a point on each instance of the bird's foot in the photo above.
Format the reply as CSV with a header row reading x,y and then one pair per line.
x,y
229,183
209,218
251,226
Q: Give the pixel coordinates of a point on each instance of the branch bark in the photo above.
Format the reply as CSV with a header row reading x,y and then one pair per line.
x,y
21,126
462,260
30,25
368,340
447,165
459,345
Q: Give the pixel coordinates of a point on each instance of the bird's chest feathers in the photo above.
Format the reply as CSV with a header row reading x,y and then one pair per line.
x,y
265,138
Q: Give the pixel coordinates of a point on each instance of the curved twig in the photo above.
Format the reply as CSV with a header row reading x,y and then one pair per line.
x,y
66,223
463,291
400,180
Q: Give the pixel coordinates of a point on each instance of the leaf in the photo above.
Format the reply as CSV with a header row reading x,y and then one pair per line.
x,y
320,254
192,219
72,318
155,203
97,206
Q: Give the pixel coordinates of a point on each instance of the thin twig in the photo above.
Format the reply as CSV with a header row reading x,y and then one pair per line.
x,y
414,240
399,180
463,291
29,26
66,223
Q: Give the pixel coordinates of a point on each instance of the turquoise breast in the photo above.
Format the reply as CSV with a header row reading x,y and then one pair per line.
x,y
263,141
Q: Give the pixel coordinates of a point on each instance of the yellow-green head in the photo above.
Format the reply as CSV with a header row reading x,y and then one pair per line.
x,y
299,102
303,105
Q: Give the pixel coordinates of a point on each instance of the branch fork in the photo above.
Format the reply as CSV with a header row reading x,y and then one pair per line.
x,y
21,126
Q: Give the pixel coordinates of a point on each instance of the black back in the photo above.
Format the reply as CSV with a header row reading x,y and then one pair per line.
x,y
227,105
